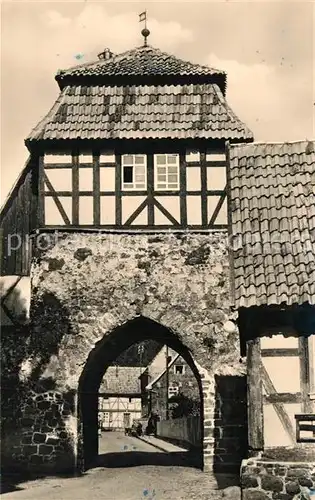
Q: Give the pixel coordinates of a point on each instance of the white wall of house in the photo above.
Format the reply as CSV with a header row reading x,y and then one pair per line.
x,y
158,364
284,374
117,412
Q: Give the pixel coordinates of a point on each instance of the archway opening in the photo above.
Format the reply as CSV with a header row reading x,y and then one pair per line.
x,y
91,391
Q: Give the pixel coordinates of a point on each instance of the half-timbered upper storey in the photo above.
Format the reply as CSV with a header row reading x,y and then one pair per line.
x,y
136,139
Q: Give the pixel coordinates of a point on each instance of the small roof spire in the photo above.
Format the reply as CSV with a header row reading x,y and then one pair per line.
x,y
145,32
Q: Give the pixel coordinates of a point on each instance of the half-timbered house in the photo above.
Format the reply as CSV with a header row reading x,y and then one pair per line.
x,y
176,378
119,397
272,228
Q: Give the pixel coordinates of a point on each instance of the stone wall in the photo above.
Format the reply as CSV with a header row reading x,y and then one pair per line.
x,y
184,431
262,480
230,423
84,288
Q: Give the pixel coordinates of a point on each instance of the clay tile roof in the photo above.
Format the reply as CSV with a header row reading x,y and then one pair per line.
x,y
141,61
141,111
121,380
273,223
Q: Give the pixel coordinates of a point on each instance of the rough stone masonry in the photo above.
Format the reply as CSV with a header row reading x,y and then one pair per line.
x,y
84,286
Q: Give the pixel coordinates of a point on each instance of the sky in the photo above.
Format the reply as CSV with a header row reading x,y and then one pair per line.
x,y
267,49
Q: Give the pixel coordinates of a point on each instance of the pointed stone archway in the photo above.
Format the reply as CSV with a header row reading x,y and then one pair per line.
x,y
103,355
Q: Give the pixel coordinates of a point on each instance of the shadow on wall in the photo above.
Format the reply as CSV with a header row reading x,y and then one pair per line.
x,y
231,423
34,414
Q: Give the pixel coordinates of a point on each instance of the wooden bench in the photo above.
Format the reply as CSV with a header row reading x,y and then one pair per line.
x,y
305,422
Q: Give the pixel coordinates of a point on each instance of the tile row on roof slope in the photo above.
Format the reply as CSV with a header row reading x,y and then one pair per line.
x,y
121,380
131,112
141,62
272,207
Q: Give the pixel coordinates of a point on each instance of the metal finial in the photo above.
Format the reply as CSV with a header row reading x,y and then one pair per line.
x,y
145,32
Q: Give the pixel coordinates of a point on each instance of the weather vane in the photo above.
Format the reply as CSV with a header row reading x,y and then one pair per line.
x,y
145,32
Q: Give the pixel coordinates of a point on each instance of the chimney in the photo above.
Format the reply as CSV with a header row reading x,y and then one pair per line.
x,y
105,55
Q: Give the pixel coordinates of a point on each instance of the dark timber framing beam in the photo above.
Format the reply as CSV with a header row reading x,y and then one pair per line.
x,y
203,181
307,404
254,398
166,213
57,201
273,353
183,189
150,188
96,189
218,208
41,193
118,202
137,212
75,189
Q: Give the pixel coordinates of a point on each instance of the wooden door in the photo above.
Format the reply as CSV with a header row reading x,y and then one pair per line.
x,y
127,420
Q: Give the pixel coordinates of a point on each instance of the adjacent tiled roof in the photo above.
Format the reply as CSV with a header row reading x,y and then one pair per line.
x,y
273,220
121,380
129,112
151,384
141,61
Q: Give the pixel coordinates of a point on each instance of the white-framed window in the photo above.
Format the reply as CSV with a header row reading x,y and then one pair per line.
x,y
134,172
173,391
179,370
166,172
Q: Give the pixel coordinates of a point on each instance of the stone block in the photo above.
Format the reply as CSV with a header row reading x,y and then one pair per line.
x,y
27,422
43,405
27,439
305,481
36,459
52,440
30,449
297,472
251,494
281,496
248,481
292,487
39,437
271,483
45,449
232,493
55,264
280,470
82,253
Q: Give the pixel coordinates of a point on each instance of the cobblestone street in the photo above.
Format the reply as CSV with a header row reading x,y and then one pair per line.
x,y
119,477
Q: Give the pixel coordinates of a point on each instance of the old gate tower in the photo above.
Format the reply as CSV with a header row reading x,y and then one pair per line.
x,y
124,195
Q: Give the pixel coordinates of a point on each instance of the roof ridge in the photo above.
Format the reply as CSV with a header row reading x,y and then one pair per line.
x,y
102,64
157,378
96,61
271,143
